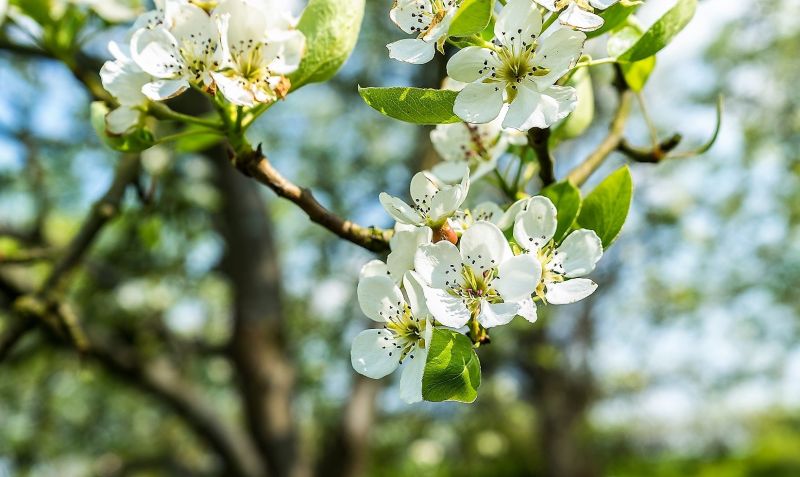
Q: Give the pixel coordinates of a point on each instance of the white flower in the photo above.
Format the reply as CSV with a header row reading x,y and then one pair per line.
x,y
432,202
124,79
260,46
429,20
179,47
520,69
575,257
578,13
404,244
405,336
480,279
483,212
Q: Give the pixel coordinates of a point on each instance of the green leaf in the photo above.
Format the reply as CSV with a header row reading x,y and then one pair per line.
x,y
413,105
636,73
662,32
38,10
567,199
452,370
579,120
331,28
473,16
137,141
613,17
605,209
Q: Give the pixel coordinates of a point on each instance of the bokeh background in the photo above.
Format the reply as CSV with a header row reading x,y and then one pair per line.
x,y
685,362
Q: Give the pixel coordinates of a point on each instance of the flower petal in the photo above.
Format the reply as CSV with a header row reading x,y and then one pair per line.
x,y
535,227
439,264
559,51
411,376
404,245
519,21
406,14
122,120
472,63
447,309
579,253
374,353
234,88
483,247
412,50
548,4
510,215
527,310
156,52
374,268
479,102
379,297
518,277
415,292
602,4
576,17
539,109
569,291
424,186
399,210
497,314
162,90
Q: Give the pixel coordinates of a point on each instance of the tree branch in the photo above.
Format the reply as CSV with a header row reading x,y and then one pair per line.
x,y
539,140
254,164
650,156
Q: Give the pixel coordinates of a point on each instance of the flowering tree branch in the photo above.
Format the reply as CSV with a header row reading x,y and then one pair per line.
x,y
255,164
539,140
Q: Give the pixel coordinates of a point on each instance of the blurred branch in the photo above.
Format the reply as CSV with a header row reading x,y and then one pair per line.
x,y
539,141
254,164
652,156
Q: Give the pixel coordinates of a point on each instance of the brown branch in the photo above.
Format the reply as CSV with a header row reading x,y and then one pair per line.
x,y
651,156
539,140
254,164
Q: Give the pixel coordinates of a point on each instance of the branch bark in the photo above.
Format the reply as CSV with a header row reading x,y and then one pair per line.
x,y
539,140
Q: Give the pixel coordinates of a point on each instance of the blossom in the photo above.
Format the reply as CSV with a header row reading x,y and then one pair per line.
x,y
432,202
483,212
520,69
561,265
260,46
404,244
480,279
405,335
429,20
578,13
179,46
124,79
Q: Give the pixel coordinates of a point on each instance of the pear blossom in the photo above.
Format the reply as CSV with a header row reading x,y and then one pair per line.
x,y
260,46
561,265
429,20
178,46
520,69
404,244
124,79
405,336
432,201
481,279
483,212
578,13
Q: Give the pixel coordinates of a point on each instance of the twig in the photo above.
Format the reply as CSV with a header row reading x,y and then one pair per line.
x,y
659,152
254,164
539,140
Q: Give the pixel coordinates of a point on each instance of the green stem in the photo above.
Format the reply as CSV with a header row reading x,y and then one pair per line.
x,y
549,21
601,61
184,134
161,111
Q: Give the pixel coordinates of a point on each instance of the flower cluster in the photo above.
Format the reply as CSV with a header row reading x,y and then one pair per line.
x,y
458,269
241,49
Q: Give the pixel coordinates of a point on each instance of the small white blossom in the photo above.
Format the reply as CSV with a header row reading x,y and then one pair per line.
x,y
404,244
429,20
578,13
124,80
483,212
406,332
562,265
519,69
432,201
480,279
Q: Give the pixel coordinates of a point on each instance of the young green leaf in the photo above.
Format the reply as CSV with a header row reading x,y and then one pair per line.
x,y
636,73
567,199
413,105
605,209
452,370
662,32
331,28
472,17
613,17
137,141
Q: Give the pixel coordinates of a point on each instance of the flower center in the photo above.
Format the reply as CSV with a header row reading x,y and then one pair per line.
x,y
552,269
477,286
406,329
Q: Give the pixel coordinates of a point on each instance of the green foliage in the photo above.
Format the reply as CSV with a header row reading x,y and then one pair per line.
x,y
61,24
614,16
580,119
473,16
138,141
413,105
605,209
621,40
452,371
331,28
567,199
662,32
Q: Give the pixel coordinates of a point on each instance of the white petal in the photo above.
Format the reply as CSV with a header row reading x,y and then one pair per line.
x,y
374,268
399,210
484,247
411,376
439,264
234,88
534,109
559,51
379,297
537,225
404,245
579,253
447,309
518,277
472,64
450,141
124,79
156,52
487,211
507,221
122,120
497,314
445,203
449,171
569,291
602,4
415,292
548,4
518,21
162,90
575,17
285,52
374,353
479,102
424,186
412,50
527,310
406,14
